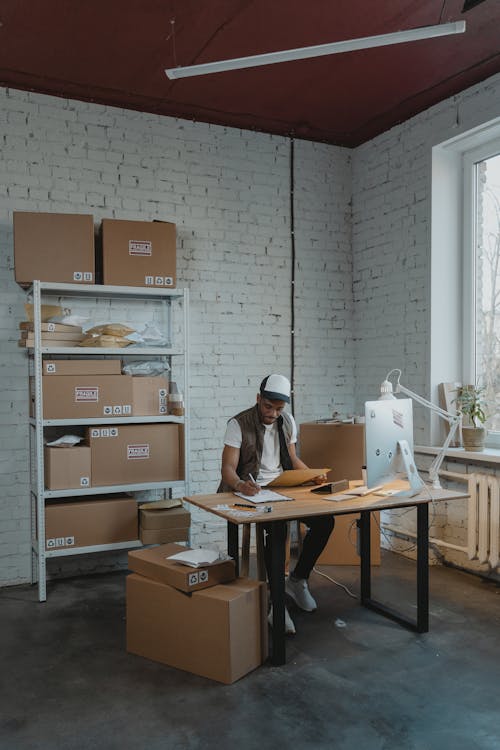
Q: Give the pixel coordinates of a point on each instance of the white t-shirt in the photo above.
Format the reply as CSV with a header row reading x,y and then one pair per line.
x,y
270,465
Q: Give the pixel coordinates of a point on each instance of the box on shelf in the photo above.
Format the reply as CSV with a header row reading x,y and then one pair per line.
x,y
162,525
136,453
149,396
223,628
82,366
51,339
54,247
85,523
152,563
46,327
139,253
67,468
85,396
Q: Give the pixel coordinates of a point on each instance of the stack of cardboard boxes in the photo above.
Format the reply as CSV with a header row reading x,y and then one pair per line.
x,y
61,248
202,620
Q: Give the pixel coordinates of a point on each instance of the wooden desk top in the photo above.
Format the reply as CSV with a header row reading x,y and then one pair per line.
x,y
306,503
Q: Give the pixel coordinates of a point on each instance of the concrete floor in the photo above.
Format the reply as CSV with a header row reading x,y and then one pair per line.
x,y
67,681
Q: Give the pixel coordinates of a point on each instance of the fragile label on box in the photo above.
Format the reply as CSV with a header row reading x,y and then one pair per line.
x,y
86,394
136,247
138,451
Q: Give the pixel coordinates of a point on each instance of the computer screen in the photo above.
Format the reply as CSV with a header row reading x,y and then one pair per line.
x,y
389,444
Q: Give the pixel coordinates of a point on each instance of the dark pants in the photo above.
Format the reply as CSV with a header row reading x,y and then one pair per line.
x,y
318,533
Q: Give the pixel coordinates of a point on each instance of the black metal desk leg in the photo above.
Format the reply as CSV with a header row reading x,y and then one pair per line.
x,y
277,584
233,549
365,554
423,568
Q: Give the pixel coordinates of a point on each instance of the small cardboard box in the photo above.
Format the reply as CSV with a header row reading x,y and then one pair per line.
x,y
46,327
149,396
136,453
54,247
152,563
67,468
219,633
84,523
82,366
164,518
139,253
86,396
164,536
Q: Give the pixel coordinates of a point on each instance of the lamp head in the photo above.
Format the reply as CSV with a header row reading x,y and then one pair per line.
x,y
386,389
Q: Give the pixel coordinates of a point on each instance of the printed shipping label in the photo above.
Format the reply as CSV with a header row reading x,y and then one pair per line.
x,y
139,450
138,247
83,393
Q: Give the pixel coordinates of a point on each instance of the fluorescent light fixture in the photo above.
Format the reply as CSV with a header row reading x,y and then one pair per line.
x,y
301,53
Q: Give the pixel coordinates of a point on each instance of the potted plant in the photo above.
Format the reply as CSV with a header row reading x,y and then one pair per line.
x,y
471,405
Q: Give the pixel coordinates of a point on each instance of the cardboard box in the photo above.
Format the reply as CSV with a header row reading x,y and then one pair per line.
x,y
53,338
82,366
164,518
84,523
152,563
341,446
87,396
164,536
149,396
46,327
139,253
54,247
136,453
67,468
219,633
341,548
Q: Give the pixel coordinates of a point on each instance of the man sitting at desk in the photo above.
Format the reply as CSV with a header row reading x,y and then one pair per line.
x,y
259,445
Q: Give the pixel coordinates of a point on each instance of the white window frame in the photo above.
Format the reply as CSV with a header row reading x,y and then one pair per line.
x,y
470,158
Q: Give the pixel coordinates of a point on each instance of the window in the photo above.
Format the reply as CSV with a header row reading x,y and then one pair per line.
x,y
481,276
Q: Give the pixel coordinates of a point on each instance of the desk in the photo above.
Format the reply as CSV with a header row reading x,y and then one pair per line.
x,y
306,504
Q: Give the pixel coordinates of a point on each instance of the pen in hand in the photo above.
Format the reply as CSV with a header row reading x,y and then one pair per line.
x,y
253,480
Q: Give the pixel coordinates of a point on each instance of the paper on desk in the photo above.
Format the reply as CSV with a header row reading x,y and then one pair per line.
x,y
363,490
264,496
336,498
294,477
197,558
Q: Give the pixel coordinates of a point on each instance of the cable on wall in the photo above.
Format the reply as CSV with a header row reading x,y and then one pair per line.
x,y
292,284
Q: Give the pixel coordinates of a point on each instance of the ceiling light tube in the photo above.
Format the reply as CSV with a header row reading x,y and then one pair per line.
x,y
301,53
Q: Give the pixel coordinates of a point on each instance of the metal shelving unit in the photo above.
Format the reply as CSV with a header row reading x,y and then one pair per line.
x,y
39,494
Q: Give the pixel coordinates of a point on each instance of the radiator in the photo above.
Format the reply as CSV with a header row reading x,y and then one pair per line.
x,y
483,518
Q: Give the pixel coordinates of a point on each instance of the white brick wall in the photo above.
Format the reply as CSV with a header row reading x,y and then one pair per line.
x,y
391,253
228,193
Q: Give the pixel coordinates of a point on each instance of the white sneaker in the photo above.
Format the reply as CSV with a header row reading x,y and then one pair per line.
x,y
289,626
298,590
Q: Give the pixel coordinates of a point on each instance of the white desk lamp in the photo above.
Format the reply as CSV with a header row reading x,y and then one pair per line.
x,y
454,420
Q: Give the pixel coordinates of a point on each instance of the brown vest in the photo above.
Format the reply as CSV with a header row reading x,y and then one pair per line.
x,y
252,443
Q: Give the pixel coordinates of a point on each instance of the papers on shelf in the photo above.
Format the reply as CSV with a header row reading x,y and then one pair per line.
x,y
197,558
294,477
264,496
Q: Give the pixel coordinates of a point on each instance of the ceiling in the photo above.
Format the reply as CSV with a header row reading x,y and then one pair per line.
x,y
115,53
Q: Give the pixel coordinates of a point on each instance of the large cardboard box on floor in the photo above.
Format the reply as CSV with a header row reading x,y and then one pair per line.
x,y
54,247
67,468
149,396
153,563
342,547
163,525
139,253
85,523
136,453
218,632
86,396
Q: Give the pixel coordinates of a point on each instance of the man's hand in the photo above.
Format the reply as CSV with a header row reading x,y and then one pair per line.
x,y
248,487
320,479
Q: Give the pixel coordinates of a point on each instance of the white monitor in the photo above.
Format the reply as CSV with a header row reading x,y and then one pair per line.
x,y
389,444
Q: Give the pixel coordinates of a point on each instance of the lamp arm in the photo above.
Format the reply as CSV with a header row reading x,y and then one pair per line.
x,y
454,420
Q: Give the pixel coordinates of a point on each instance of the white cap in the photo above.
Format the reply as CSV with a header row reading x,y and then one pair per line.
x,y
276,388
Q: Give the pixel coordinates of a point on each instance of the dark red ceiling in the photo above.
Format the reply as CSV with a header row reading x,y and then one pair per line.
x,y
115,53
